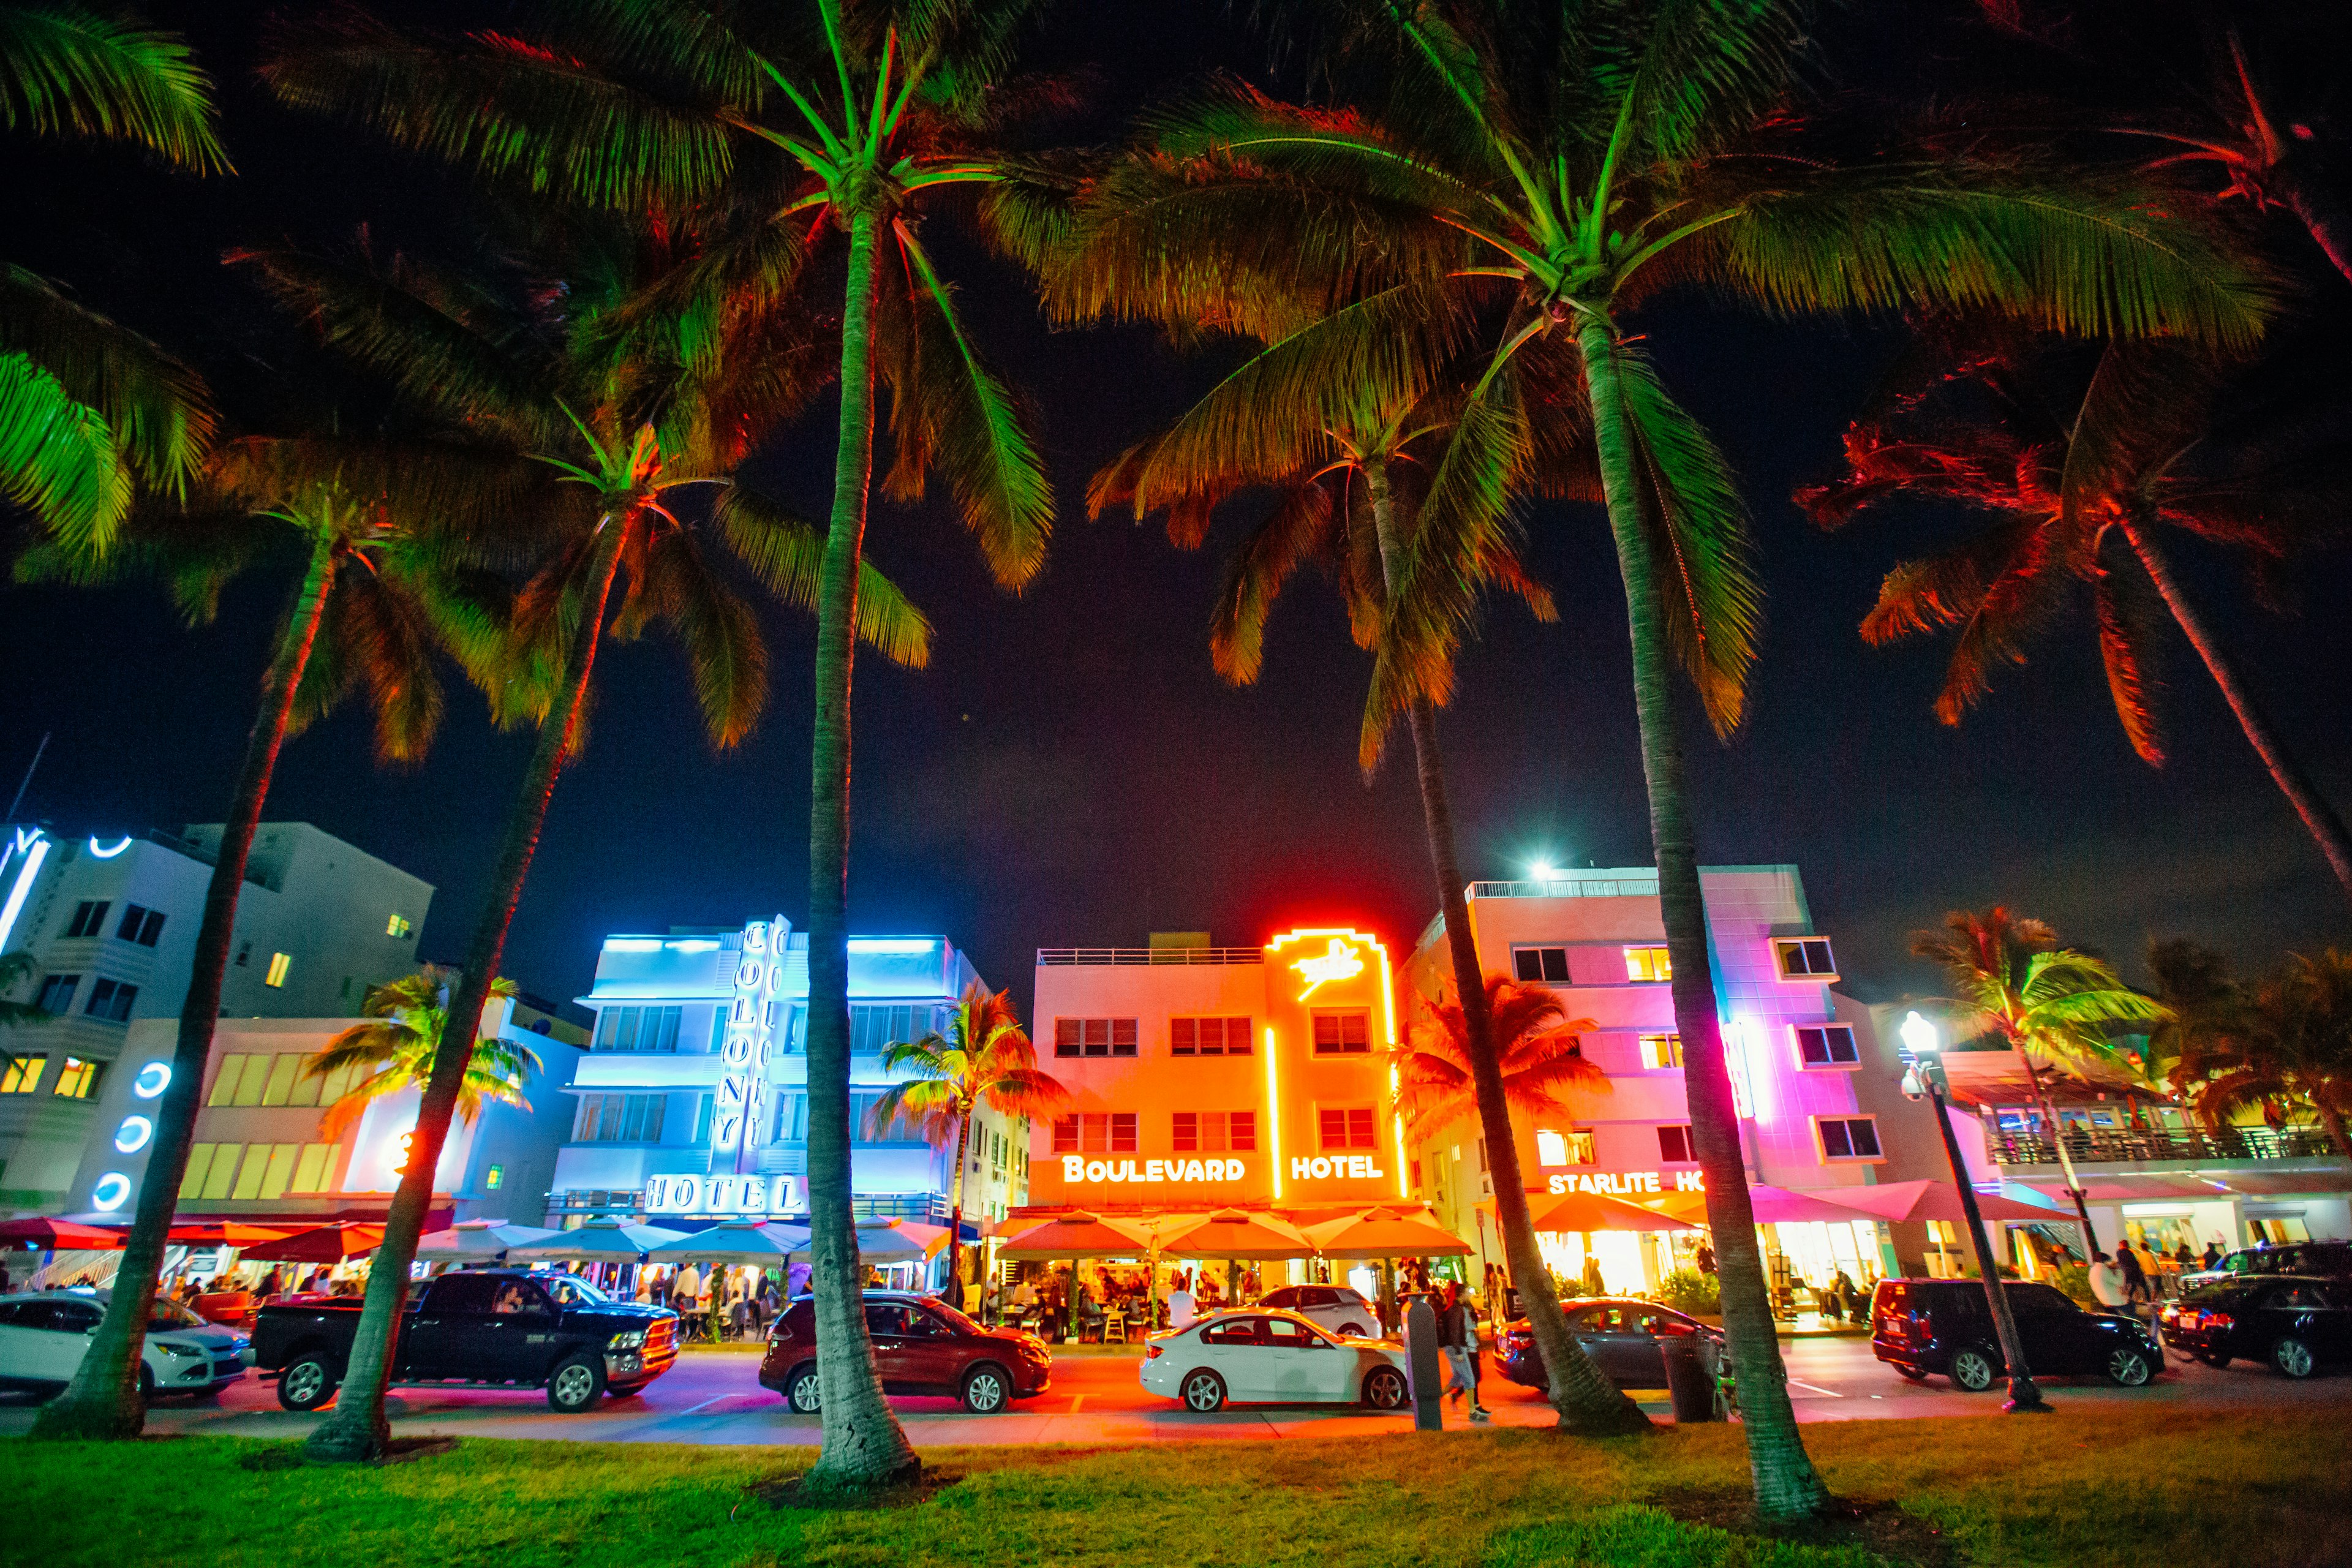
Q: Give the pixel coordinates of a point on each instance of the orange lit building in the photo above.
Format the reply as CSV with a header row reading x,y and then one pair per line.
x,y
1218,1077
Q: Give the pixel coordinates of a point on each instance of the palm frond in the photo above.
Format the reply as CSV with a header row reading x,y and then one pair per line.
x,y
66,72
1702,71
1296,530
2130,617
788,557
160,411
58,459
725,659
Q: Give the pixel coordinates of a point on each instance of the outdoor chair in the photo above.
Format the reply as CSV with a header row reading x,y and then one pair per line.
x,y
1114,1330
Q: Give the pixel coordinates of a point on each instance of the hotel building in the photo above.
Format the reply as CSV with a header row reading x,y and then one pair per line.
x,y
692,1099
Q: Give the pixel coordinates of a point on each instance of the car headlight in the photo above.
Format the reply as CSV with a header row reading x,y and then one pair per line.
x,y
634,1340
169,1348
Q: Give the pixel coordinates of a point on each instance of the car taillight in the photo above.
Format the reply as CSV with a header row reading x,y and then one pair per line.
x,y
1151,1352
2215,1320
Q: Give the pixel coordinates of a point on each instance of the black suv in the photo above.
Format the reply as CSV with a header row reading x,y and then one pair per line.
x,y
1922,1326
2296,1323
2317,1258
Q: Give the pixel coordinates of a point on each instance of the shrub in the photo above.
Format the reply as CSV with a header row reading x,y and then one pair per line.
x,y
1690,1290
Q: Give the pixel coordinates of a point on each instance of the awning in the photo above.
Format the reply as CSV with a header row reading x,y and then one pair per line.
x,y
1385,1233
2213,1186
1772,1206
1238,1233
477,1241
1923,1200
603,1240
224,1233
58,1235
1075,1235
766,1246
328,1243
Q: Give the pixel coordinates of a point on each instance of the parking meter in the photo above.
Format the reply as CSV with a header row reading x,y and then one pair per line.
x,y
1423,1373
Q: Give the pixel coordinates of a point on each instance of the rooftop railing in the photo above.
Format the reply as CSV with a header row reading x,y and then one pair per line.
x,y
1139,956
1569,888
2125,1146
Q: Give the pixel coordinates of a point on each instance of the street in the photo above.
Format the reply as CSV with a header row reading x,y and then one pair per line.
x,y
714,1397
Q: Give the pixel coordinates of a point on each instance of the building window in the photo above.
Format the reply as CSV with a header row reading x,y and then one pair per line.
x,y
1805,958
873,1030
1674,1147
792,1119
1827,1046
494,1178
1848,1137
1214,1132
1348,1127
87,918
1348,1032
1541,964
77,1079
279,962
619,1119
110,1000
637,1029
1094,1037
56,994
1208,1036
1661,1051
140,924
1648,963
23,1074
1571,1147
398,926
1095,1133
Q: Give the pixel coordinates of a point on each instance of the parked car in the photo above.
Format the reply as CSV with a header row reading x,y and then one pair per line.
x,y
43,1336
1337,1308
503,1328
2296,1323
2331,1260
1620,1333
1924,1326
1273,1358
921,1345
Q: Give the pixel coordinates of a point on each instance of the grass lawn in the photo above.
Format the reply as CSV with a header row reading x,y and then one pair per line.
x,y
2247,1491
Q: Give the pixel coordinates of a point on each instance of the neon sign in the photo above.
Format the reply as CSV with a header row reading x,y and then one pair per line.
x,y
1345,1167
1338,961
727,1195
133,1135
1077,1168
1624,1184
33,846
110,1191
750,1035
152,1080
119,847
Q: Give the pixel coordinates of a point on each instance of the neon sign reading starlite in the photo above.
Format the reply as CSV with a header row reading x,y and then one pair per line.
x,y
1624,1184
1338,961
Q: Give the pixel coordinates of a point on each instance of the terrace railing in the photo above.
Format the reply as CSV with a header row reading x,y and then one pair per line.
x,y
1569,888
1148,955
2130,1146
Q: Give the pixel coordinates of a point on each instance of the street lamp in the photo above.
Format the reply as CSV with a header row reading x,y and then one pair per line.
x,y
1543,871
1926,1077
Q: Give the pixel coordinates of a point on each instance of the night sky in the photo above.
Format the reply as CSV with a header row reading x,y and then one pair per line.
x,y
1070,771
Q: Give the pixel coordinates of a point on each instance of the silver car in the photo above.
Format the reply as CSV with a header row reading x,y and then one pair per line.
x,y
44,1335
1335,1307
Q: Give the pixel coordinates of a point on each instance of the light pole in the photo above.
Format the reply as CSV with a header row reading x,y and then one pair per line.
x,y
1927,1076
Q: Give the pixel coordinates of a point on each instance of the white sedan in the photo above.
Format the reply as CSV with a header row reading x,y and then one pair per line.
x,y
44,1335
1271,1358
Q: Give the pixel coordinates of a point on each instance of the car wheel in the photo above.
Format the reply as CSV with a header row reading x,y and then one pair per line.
x,y
986,1389
577,1385
307,1383
2214,1358
802,1392
1202,1390
1355,1331
146,1386
2293,1358
1974,1370
1384,1389
2128,1368
1913,1374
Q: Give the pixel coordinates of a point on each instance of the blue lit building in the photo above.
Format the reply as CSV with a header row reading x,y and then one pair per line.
x,y
693,1101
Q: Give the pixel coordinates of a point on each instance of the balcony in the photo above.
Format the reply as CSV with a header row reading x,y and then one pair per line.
x,y
1049,957
1596,887
2127,1146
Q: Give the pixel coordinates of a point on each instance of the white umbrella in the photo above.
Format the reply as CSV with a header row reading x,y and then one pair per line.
x,y
878,1241
734,1241
477,1240
605,1241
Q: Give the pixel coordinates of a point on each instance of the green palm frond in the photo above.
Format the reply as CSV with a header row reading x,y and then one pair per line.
x,y
727,659
58,459
375,636
1702,72
158,409
66,72
1296,531
788,556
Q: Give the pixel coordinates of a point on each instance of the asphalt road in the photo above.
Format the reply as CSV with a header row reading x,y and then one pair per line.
x,y
714,1397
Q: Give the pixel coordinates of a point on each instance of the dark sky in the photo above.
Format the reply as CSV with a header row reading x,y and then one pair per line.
x,y
1070,771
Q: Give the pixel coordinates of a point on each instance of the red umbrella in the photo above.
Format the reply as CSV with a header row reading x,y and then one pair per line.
x,y
225,1232
58,1235
328,1243
1938,1200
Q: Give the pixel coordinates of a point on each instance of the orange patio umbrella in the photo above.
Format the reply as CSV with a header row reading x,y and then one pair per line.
x,y
1773,1205
1580,1212
1238,1233
1073,1236
328,1243
1385,1233
226,1232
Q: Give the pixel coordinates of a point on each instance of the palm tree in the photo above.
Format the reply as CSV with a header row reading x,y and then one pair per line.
x,y
811,139
2077,475
626,425
88,406
1538,1046
985,1060
2212,1016
2056,1008
374,525
396,1052
16,968
2297,1048
1563,165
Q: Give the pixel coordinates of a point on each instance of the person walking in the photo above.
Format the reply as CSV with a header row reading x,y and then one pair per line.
x,y
2135,1277
2213,1253
2107,1283
1457,1336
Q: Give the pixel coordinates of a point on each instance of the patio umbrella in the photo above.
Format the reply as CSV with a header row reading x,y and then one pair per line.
x,y
1940,1200
764,1246
1579,1213
225,1233
607,1241
931,1239
478,1240
1238,1233
1385,1233
328,1243
1774,1205
1073,1236
58,1235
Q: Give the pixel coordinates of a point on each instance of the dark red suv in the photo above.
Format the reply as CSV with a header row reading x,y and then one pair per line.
x,y
921,1345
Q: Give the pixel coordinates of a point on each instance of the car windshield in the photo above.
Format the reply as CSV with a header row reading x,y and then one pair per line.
x,y
960,1323
571,1292
171,1315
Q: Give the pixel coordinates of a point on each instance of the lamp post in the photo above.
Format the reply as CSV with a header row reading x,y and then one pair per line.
x,y
1927,1076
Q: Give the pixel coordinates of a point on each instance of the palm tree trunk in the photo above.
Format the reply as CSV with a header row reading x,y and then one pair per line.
x,y
103,1399
1587,1401
2065,1160
864,1445
2332,1124
2326,828
357,1430
955,1210
1787,1485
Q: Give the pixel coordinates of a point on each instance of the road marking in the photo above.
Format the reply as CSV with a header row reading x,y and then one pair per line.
x,y
1817,1388
1078,1404
705,1405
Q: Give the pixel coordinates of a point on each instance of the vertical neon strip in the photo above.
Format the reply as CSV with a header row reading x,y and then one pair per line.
x,y
1273,1111
22,889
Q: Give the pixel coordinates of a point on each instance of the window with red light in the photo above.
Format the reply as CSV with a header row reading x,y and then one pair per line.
x,y
1095,1133
1208,1036
1348,1127
1349,1032
1094,1037
1213,1132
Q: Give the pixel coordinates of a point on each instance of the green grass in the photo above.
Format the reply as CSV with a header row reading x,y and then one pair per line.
x,y
2253,1490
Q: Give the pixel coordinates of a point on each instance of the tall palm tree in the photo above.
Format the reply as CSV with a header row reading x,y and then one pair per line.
x,y
87,406
2298,1050
2057,1008
396,1052
2212,1014
628,420
1337,415
2078,473
985,1060
16,968
374,525
1569,162
1539,1046
811,139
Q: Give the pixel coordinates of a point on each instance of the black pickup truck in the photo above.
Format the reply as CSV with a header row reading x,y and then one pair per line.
x,y
498,1327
